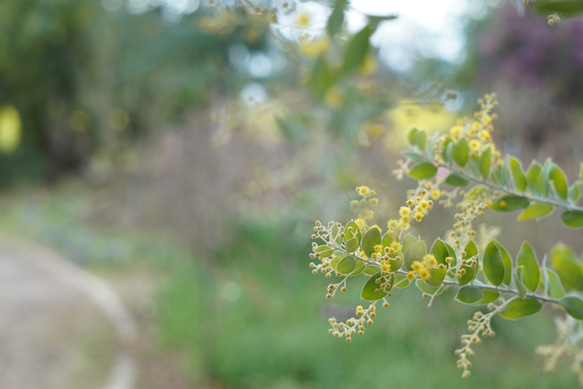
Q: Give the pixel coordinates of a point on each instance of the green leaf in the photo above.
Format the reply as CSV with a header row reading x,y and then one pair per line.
x,y
526,259
408,240
371,290
485,163
369,270
423,171
559,183
574,193
492,264
321,78
532,178
359,268
356,49
553,287
455,179
565,264
509,203
371,239
460,152
346,265
573,219
536,211
519,285
574,306
566,8
517,175
470,250
420,140
415,252
451,253
411,136
334,262
401,281
324,251
474,164
351,245
426,288
387,240
469,294
447,153
336,19
439,251
507,261
543,179
500,175
437,276
351,230
520,307
489,296
412,156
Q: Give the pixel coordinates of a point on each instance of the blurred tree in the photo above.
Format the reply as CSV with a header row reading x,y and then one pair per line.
x,y
535,70
86,81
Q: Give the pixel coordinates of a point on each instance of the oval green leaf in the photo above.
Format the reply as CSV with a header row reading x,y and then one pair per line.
x,y
426,288
351,245
573,219
520,307
411,136
526,259
455,179
439,251
574,306
351,230
492,264
552,283
469,294
423,171
460,152
489,296
565,264
412,156
509,204
415,252
370,240
356,49
536,211
574,193
420,140
559,183
517,175
369,270
324,251
532,178
371,290
346,265
408,240
507,260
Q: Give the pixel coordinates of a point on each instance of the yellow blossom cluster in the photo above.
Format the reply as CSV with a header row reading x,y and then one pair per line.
x,y
364,205
416,208
478,131
421,268
355,325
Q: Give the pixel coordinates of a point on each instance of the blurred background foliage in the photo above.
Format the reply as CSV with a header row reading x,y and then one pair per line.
x,y
200,140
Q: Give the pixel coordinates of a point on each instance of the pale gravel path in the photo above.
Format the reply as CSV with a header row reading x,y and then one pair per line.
x,y
50,310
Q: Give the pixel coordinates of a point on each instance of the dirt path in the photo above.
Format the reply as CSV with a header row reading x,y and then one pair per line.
x,y
60,326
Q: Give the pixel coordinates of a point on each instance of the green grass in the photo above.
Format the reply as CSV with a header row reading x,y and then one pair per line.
x,y
257,318
253,315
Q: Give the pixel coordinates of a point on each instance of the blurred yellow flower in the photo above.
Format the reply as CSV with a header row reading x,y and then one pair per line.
x,y
10,127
